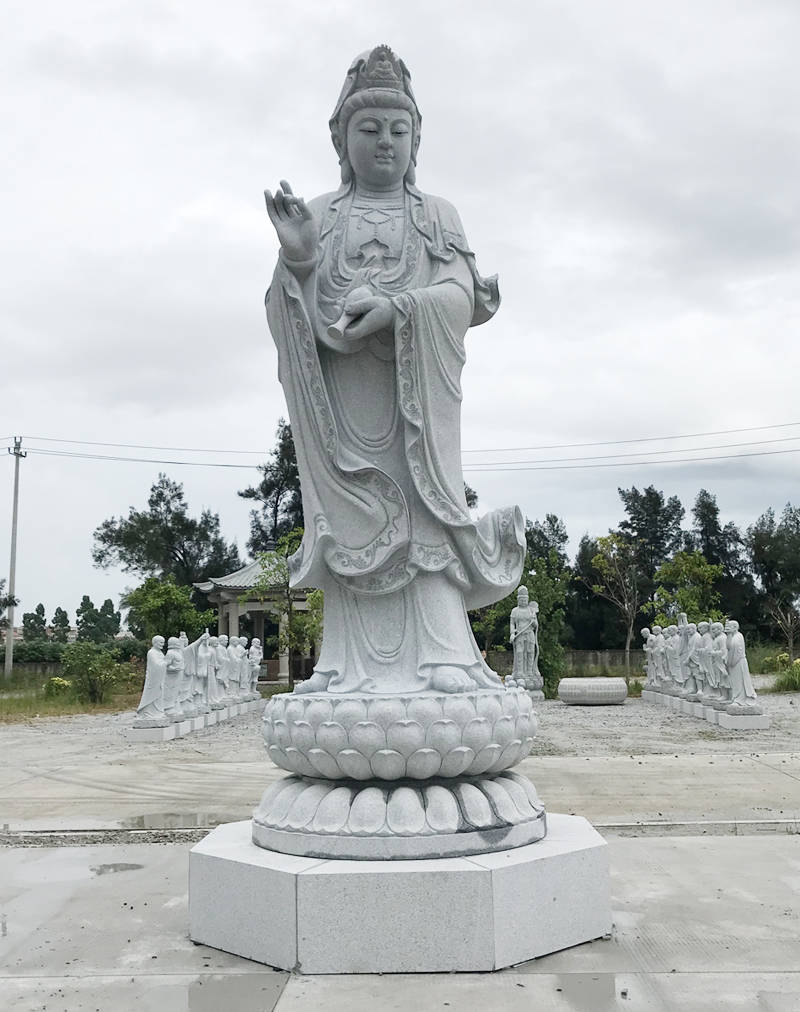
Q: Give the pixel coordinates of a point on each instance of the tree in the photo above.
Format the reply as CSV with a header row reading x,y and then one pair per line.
x,y
653,526
162,608
165,541
547,581
90,670
617,564
685,584
591,621
60,626
96,625
544,536
299,630
34,624
774,552
471,496
6,601
719,545
278,492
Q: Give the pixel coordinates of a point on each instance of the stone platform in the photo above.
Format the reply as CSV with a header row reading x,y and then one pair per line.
x,y
481,912
712,714
178,729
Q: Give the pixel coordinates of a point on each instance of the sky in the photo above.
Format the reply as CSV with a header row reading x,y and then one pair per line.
x,y
629,170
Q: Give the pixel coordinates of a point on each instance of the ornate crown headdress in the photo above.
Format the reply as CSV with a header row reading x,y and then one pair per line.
x,y
376,77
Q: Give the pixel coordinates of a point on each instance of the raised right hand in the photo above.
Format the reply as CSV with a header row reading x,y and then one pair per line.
x,y
297,230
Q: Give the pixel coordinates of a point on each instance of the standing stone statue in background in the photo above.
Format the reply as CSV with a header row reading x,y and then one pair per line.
x,y
743,694
694,671
150,712
524,636
255,655
704,651
719,663
216,692
659,657
648,644
180,688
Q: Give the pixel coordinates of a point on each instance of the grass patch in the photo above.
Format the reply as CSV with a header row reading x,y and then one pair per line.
x,y
787,681
273,689
17,706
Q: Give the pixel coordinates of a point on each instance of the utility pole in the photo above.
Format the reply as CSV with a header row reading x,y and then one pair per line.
x,y
18,455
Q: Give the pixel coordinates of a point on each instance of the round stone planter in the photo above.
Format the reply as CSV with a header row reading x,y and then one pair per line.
x,y
592,691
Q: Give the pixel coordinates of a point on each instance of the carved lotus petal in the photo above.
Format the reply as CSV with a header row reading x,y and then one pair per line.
x,y
456,761
295,708
511,754
304,808
460,709
280,733
367,737
353,764
443,735
513,701
318,711
297,762
368,812
280,808
349,711
302,735
387,764
386,711
527,786
331,736
475,808
271,793
279,757
333,812
441,810
522,726
324,763
405,814
426,710
487,757
406,736
477,734
525,703
489,707
527,745
519,796
423,764
495,791
503,731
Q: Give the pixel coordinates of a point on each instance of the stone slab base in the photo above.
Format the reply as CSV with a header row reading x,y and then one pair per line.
x,y
648,696
698,710
710,714
464,913
151,733
211,718
743,721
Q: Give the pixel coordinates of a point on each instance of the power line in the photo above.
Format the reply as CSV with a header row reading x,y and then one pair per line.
x,y
486,468
641,453
639,439
494,449
633,464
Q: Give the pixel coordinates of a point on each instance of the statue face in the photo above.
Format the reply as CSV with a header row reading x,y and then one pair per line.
x,y
223,640
158,642
379,146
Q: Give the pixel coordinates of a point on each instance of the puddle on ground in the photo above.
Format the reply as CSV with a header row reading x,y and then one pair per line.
x,y
109,869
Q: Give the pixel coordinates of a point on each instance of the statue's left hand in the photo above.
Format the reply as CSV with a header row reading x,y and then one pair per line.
x,y
372,314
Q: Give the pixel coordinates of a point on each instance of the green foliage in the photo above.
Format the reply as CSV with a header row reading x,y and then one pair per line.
x,y
547,582
160,607
278,492
36,652
685,584
57,687
60,626
96,625
789,678
775,662
91,670
34,624
164,540
619,577
301,630
653,527
471,496
6,601
130,649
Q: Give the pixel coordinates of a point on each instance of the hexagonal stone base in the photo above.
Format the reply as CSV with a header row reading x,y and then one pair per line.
x,y
466,913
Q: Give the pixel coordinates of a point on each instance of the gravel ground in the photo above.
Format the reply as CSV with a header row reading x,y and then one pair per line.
x,y
636,728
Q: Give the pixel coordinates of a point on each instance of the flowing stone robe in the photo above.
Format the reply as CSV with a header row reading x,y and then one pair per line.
x,y
660,658
704,653
175,684
152,704
223,670
376,426
719,659
743,693
693,666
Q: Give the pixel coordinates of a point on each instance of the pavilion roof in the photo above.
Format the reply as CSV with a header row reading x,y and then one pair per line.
x,y
243,579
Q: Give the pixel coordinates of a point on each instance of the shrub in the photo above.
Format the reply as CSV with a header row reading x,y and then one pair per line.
x,y
788,680
36,652
57,687
129,649
91,670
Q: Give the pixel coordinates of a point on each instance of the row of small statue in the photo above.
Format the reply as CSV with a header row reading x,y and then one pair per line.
x,y
704,662
192,679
